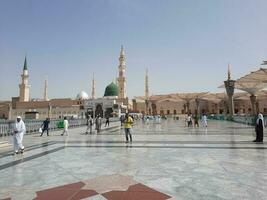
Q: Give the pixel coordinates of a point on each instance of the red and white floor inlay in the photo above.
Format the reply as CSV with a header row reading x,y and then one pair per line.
x,y
113,187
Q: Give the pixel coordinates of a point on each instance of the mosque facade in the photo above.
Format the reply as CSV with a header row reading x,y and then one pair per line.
x,y
42,108
192,103
114,101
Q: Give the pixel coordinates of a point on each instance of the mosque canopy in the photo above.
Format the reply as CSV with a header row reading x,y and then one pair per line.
x,y
191,96
214,97
176,97
253,82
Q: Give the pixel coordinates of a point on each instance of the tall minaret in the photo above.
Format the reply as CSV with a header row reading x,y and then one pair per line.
x,y
24,87
121,79
46,90
229,72
93,87
146,85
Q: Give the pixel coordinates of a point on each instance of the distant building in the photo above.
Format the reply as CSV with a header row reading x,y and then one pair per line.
x,y
184,103
113,103
108,106
38,108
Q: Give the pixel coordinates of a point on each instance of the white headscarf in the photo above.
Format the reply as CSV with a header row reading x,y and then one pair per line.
x,y
260,116
20,126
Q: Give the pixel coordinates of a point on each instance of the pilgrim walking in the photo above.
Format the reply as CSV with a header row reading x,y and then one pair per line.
x,y
128,123
259,128
45,126
204,120
89,125
66,126
19,130
98,123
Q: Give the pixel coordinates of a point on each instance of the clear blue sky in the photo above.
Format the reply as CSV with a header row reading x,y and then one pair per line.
x,y
185,44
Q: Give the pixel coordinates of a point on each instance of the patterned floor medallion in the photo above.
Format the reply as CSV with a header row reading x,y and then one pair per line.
x,y
112,187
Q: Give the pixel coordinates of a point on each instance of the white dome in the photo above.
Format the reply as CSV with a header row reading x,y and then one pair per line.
x,y
82,96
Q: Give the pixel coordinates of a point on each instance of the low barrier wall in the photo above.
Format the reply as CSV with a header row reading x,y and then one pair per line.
x,y
32,126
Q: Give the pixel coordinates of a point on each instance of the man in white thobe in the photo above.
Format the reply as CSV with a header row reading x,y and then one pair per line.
x,y
204,121
66,126
19,130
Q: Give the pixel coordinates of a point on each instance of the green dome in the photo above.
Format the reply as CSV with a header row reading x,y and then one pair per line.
x,y
111,90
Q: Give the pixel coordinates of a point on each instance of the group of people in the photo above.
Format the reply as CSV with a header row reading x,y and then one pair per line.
x,y
45,127
127,121
98,124
190,118
156,119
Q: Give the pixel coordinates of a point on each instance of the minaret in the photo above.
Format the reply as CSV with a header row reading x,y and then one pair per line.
x,y
146,85
229,72
24,87
46,91
93,87
121,78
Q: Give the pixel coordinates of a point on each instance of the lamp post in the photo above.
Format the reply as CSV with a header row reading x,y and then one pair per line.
x,y
146,102
230,87
49,110
197,105
188,107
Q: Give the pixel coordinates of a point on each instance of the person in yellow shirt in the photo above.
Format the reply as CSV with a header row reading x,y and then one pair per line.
x,y
128,124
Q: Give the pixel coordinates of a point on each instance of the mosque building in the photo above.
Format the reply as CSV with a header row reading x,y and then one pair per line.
x,y
112,103
201,102
43,108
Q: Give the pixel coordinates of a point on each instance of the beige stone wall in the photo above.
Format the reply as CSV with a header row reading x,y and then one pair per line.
x,y
165,107
169,107
55,112
45,104
140,107
263,106
65,111
4,110
54,108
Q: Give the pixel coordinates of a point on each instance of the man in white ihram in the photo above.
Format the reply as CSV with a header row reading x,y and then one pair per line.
x,y
19,130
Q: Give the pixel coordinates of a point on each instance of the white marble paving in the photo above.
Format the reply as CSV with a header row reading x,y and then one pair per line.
x,y
219,162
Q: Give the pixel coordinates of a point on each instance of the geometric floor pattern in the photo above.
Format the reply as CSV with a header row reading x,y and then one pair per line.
x,y
165,161
112,187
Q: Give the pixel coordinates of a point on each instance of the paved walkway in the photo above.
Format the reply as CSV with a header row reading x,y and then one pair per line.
x,y
165,161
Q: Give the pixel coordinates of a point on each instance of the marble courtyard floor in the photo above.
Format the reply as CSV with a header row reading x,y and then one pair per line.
x,y
165,161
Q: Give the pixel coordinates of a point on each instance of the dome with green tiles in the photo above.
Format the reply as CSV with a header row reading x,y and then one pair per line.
x,y
111,90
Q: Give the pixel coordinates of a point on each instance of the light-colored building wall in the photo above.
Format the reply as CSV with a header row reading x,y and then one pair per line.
x,y
54,108
54,113
242,106
5,109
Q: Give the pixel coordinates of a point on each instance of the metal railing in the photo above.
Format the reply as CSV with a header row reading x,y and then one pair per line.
x,y
32,126
243,119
